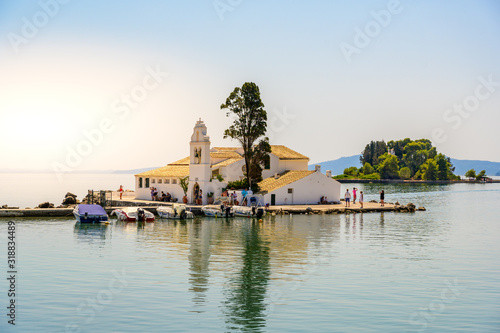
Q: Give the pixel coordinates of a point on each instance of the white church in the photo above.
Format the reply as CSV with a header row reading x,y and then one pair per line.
x,y
286,178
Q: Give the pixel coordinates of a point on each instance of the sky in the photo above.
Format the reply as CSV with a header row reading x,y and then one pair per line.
x,y
88,85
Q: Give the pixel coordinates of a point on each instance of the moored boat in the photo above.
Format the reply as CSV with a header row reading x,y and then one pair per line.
x,y
220,208
90,214
177,212
256,208
133,214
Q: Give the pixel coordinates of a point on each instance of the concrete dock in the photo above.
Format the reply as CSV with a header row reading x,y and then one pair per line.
x,y
368,207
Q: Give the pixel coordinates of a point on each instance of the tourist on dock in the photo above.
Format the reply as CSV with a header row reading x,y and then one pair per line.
x,y
200,197
168,197
155,194
163,196
120,190
354,195
347,198
152,193
234,197
361,198
382,197
244,197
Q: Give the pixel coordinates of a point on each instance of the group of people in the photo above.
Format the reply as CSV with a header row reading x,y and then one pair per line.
x,y
348,197
162,197
233,197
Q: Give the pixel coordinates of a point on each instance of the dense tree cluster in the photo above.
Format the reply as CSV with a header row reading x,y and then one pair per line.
x,y
402,159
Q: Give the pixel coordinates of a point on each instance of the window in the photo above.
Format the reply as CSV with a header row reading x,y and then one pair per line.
x,y
160,181
147,182
153,181
174,181
290,190
167,181
140,182
267,163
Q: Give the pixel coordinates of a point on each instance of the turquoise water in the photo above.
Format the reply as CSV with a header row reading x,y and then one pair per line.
x,y
433,271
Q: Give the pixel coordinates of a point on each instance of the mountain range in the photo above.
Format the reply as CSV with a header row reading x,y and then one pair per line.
x,y
461,166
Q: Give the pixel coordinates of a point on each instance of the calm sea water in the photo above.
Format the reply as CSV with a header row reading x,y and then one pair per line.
x,y
30,189
433,271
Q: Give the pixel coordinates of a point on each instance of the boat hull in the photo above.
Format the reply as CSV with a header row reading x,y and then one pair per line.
x,y
130,214
90,214
176,212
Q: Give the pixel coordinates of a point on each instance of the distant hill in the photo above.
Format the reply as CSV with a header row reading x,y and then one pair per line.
x,y
461,166
337,166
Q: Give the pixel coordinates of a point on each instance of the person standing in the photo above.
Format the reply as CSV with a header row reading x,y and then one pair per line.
x,y
120,190
361,198
234,197
244,197
382,197
354,195
347,198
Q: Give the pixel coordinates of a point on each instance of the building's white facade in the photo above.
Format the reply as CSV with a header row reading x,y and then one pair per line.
x,y
205,165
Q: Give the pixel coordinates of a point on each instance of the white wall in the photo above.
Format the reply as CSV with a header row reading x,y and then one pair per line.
x,y
307,190
145,193
233,171
274,167
292,165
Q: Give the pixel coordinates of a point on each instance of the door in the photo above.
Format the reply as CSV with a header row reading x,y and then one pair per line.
x,y
273,199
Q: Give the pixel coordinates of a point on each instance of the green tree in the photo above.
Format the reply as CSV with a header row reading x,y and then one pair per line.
x,y
415,155
249,125
367,169
351,171
443,169
405,173
372,151
470,174
429,170
398,147
388,168
481,174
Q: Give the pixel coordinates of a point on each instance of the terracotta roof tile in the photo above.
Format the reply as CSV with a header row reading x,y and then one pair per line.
x,y
183,161
167,171
226,162
270,184
285,153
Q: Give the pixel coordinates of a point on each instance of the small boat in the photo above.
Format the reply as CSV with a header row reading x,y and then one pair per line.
x,y
220,208
256,208
133,214
90,214
177,212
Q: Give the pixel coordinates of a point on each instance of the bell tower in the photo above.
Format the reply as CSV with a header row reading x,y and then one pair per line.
x,y
200,172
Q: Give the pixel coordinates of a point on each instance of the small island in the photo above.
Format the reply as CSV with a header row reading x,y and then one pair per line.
x,y
406,160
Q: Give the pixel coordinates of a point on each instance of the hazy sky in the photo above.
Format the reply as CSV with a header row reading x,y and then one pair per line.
x,y
120,84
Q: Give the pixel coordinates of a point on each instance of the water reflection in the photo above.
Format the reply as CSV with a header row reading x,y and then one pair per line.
x,y
246,293
199,260
92,233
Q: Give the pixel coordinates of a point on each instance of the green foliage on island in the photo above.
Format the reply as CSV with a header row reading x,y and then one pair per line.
x,y
402,159
471,174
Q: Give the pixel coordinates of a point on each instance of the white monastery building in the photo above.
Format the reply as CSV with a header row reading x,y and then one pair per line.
x,y
286,178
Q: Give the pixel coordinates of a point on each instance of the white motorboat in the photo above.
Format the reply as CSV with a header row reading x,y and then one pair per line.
x,y
254,208
220,208
177,212
133,214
